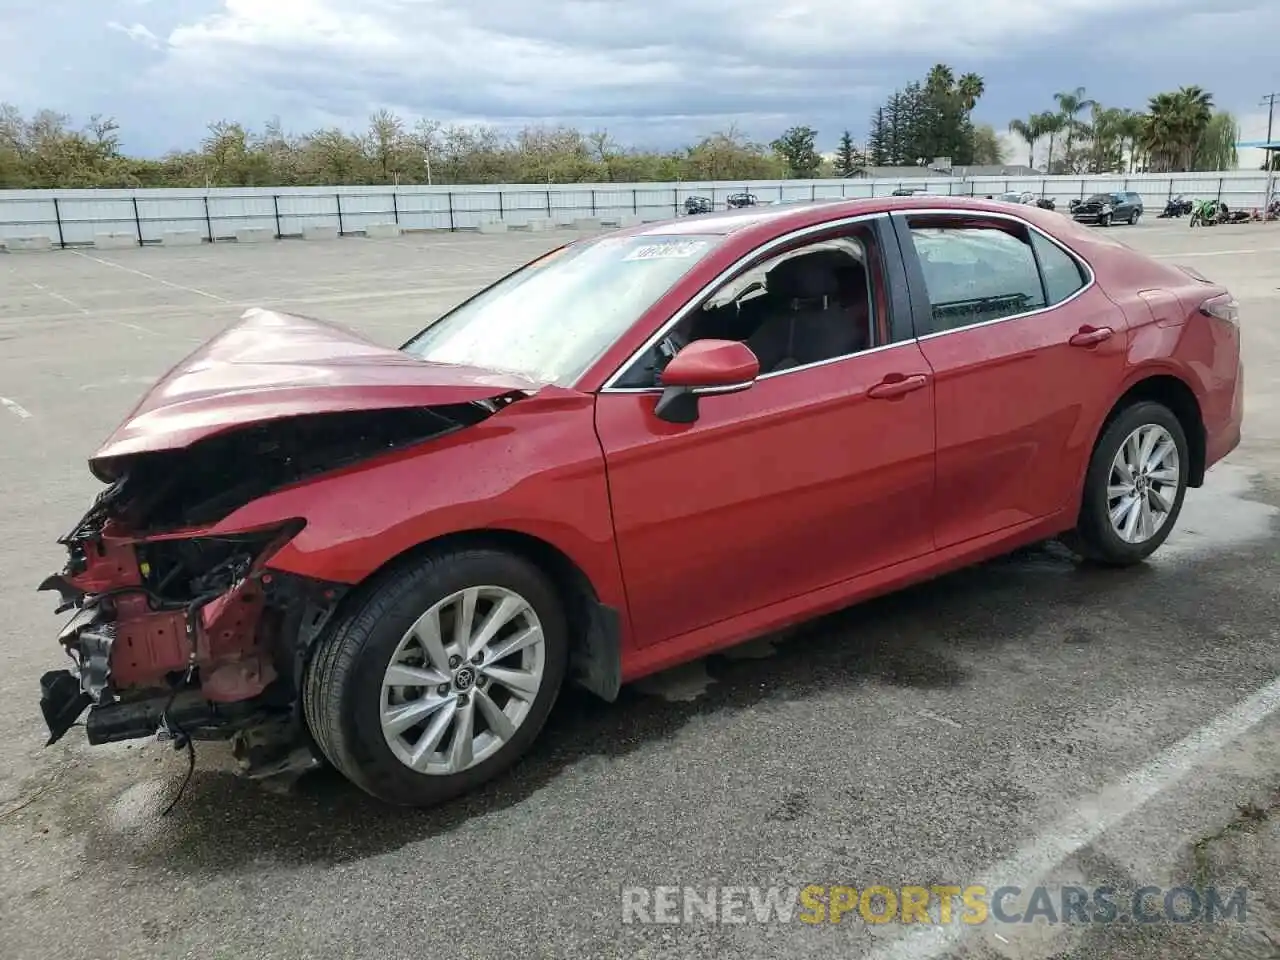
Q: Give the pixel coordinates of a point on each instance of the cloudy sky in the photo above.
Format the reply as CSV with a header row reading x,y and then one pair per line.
x,y
652,72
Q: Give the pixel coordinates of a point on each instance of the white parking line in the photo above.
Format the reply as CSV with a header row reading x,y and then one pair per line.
x,y
57,296
1094,816
147,276
13,406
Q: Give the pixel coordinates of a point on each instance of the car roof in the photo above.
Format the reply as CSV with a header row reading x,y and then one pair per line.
x,y
785,217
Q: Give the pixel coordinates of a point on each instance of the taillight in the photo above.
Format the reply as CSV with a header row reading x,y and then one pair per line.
x,y
1222,307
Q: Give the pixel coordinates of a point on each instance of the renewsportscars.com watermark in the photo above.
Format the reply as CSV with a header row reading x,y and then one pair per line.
x,y
971,904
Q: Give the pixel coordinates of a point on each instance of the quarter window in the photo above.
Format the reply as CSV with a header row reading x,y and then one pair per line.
x,y
977,274
1062,273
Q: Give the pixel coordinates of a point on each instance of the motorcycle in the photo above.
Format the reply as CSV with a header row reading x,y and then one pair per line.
x,y
1206,213
698,205
1176,207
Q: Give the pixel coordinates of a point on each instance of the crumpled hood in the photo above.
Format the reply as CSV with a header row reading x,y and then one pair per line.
x,y
269,365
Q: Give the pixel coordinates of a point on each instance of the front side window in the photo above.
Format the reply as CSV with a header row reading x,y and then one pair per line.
x,y
550,320
810,304
976,274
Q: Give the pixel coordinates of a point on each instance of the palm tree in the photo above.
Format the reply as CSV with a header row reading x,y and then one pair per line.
x,y
1051,124
970,88
1072,103
1030,130
941,79
1178,121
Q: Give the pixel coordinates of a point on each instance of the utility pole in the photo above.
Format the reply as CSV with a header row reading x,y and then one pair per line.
x,y
1269,101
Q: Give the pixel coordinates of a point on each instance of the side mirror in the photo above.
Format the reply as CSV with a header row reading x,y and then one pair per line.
x,y
702,368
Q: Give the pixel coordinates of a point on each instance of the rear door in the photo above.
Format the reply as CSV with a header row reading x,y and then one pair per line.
x,y
1026,353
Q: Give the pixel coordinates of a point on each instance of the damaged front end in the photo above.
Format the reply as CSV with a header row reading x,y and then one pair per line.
x,y
187,633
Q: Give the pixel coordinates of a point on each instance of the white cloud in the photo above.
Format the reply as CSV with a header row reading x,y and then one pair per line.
x,y
137,32
657,71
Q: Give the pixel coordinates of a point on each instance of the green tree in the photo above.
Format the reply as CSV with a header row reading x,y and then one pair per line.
x,y
796,148
849,159
987,148
878,140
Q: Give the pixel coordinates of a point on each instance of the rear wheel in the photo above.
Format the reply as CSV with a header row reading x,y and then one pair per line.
x,y
1134,487
440,678
1133,218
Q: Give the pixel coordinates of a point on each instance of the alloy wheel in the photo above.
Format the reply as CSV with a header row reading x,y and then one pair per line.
x,y
462,680
1142,487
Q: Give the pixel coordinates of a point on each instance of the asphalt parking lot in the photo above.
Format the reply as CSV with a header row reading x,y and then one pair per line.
x,y
1026,722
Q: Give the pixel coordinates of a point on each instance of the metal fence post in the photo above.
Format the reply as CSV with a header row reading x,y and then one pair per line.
x,y
635,203
548,198
337,198
449,195
813,192
501,206
137,220
275,205
675,200
1220,189
57,215
395,207
208,220
593,203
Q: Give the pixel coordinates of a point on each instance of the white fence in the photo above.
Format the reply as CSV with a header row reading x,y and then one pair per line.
x,y
73,217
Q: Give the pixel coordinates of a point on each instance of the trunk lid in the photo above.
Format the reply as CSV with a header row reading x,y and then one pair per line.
x,y
269,366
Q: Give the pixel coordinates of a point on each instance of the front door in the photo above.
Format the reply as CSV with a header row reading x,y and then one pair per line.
x,y
816,474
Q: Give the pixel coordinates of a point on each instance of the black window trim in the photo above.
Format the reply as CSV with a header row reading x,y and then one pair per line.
x,y
900,309
922,309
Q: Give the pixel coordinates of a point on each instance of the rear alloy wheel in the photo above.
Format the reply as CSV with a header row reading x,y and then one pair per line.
x,y
1134,487
442,678
1104,220
1133,218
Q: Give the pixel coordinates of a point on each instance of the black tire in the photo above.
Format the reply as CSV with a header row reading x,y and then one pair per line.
x,y
1104,220
1094,538
342,688
1133,218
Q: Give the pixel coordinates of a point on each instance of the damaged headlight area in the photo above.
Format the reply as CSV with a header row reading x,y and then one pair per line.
x,y
176,630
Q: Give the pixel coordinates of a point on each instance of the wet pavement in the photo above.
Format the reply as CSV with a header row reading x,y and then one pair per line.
x,y
1029,721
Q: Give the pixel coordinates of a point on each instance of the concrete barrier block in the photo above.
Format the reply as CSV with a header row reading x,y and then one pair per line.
x,y
181,238
28,244
255,235
493,226
586,223
319,233
114,241
630,220
537,224
382,231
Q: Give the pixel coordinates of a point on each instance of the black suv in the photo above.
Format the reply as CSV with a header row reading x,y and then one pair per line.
x,y
1104,209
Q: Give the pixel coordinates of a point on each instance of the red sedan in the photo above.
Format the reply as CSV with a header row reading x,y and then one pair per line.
x,y
633,451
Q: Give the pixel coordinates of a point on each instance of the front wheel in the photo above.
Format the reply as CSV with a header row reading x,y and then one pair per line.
x,y
1104,220
440,676
1134,487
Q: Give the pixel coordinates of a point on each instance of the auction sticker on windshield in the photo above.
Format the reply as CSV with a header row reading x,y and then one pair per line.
x,y
668,250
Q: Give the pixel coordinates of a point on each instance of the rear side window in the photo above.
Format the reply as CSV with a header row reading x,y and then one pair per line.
x,y
976,274
1062,274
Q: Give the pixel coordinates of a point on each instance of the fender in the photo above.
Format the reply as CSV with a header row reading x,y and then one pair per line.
x,y
534,468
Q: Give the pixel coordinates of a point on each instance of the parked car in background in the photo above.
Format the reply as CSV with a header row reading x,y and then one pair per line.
x,y
1105,209
694,205
737,200
635,450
